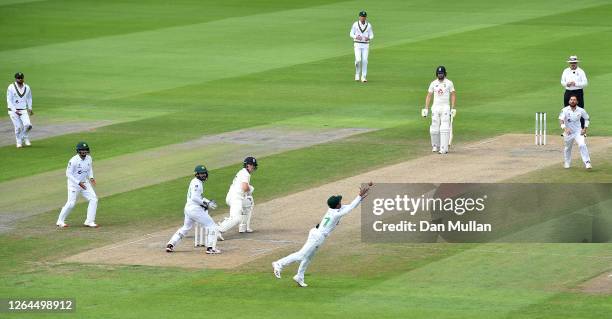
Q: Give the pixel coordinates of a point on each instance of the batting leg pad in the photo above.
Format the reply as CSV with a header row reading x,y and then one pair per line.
x,y
444,132
245,220
434,129
211,237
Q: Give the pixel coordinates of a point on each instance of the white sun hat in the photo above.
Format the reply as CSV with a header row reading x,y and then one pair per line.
x,y
573,59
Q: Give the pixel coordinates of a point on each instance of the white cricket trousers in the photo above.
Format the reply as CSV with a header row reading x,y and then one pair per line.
x,y
569,142
241,211
22,125
440,127
305,254
201,216
89,194
361,61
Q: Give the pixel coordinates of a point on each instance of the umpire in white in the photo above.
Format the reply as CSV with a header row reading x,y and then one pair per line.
x,y
574,80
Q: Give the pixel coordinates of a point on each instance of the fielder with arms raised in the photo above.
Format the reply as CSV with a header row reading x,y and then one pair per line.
x,y
443,92
318,234
570,124
240,199
196,210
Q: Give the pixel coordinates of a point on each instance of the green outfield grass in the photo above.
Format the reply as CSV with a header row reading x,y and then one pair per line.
x,y
168,72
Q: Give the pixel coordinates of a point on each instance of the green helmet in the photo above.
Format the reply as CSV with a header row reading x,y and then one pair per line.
x,y
82,146
201,169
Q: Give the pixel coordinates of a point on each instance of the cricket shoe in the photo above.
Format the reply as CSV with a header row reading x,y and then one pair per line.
x,y
61,225
19,145
434,149
27,142
566,165
363,79
248,230
299,281
91,225
588,165
443,152
277,270
212,251
169,248
357,77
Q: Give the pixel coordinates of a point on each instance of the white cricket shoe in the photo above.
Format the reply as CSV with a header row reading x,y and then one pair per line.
x,y
19,145
27,142
357,77
363,79
248,230
61,225
169,248
566,165
91,225
434,149
588,165
212,251
277,270
443,152
299,281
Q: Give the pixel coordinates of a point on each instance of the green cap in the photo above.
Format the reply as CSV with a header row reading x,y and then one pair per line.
x,y
200,169
334,200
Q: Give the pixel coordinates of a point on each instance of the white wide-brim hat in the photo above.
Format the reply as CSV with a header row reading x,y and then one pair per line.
x,y
573,59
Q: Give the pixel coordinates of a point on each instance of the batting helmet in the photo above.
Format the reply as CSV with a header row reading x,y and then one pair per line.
x,y
441,70
250,160
363,13
201,169
82,146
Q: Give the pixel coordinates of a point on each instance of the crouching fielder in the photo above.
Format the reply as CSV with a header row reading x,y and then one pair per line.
x,y
240,199
442,90
317,235
196,210
570,124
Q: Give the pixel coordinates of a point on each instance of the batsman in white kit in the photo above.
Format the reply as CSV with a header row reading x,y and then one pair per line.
x,y
442,112
361,33
80,181
196,210
570,124
318,234
19,104
240,199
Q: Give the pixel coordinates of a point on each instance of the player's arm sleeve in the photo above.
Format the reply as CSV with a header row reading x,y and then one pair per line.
x,y
196,194
69,171
352,33
91,175
29,98
347,208
586,118
584,82
563,81
9,99
562,116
